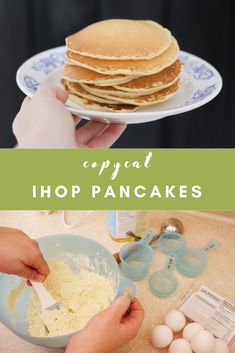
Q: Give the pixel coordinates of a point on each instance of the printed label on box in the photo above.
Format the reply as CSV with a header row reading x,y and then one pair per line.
x,y
212,311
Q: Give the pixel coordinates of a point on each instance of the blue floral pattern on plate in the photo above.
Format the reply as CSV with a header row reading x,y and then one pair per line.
x,y
49,63
195,68
200,94
31,83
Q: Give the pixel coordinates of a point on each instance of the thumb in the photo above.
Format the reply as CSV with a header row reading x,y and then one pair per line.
x,y
50,90
120,307
30,274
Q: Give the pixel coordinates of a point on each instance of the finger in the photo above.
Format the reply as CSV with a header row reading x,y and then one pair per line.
x,y
50,90
136,314
61,95
76,119
30,274
25,103
120,307
37,261
108,137
89,131
117,257
40,265
127,292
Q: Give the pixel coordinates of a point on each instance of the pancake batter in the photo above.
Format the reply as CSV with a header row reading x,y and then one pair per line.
x,y
82,296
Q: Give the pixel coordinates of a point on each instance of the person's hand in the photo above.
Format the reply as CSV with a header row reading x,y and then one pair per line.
x,y
20,255
110,329
44,122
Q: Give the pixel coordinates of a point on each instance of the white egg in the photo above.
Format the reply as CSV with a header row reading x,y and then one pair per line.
x,y
180,346
203,342
175,320
220,346
190,330
161,336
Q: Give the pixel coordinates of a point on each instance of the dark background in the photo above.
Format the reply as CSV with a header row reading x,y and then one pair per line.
x,y
202,27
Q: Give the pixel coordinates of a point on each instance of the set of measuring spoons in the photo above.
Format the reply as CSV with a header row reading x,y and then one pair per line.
x,y
136,258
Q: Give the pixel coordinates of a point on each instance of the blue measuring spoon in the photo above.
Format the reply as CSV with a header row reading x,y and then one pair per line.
x,y
171,243
136,258
192,261
163,283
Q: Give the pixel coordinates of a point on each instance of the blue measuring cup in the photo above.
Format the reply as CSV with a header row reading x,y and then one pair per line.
x,y
137,258
171,243
163,283
192,261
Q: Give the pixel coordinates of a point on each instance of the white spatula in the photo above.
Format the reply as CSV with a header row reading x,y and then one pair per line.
x,y
47,301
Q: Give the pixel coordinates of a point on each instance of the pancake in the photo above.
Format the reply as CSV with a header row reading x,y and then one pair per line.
x,y
120,39
114,92
89,104
109,90
121,65
79,74
141,86
76,89
127,67
144,100
162,79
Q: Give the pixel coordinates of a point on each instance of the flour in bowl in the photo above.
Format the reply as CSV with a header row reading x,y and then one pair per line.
x,y
82,296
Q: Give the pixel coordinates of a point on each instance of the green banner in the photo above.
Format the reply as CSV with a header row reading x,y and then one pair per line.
x,y
117,179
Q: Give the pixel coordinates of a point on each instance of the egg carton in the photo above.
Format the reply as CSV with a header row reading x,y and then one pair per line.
x,y
193,323
208,308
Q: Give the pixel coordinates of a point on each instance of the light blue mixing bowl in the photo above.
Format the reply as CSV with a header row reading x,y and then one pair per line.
x,y
59,246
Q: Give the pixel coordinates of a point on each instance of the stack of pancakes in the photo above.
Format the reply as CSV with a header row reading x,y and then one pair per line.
x,y
121,65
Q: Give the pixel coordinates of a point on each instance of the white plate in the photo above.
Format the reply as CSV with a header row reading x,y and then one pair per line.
x,y
200,83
